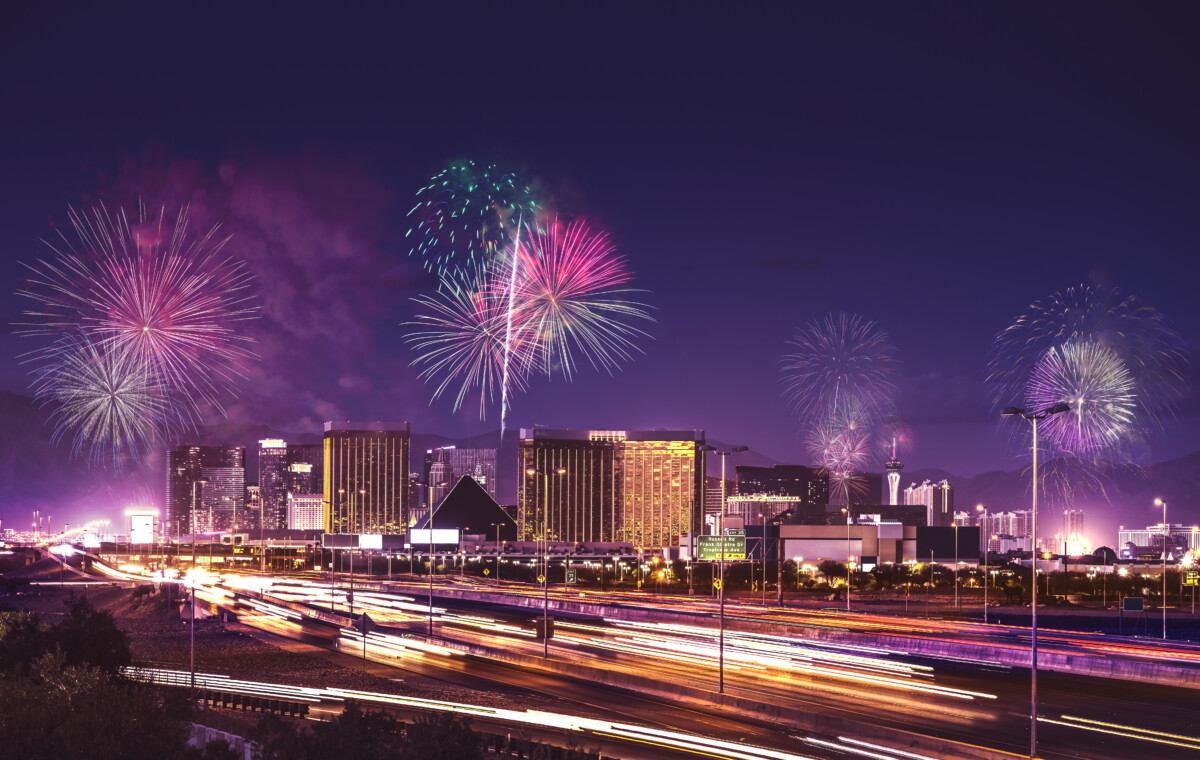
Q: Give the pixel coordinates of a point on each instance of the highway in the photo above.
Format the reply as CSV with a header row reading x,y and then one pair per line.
x,y
971,702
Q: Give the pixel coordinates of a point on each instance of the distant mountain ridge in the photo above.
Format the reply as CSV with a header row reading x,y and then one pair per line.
x,y
36,474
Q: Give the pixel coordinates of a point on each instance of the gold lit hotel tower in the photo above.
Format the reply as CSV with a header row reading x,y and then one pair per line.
x,y
366,477
642,487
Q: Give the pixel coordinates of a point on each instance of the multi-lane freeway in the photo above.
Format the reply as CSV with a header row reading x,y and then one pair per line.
x,y
978,702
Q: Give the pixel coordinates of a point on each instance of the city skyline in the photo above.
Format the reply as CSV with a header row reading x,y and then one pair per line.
x,y
749,192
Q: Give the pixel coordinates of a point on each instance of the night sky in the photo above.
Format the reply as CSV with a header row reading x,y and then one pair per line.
x,y
934,167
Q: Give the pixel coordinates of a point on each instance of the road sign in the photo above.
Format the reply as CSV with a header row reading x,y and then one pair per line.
x,y
716,583
541,578
1133,604
365,624
571,578
1191,578
486,571
709,548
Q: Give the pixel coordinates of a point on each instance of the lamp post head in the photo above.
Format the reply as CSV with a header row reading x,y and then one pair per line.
x,y
1012,411
1058,408
530,472
1160,503
561,471
980,508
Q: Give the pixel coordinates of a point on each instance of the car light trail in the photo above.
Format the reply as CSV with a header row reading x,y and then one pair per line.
x,y
1133,732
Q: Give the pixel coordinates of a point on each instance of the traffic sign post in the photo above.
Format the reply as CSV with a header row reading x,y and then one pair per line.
x,y
364,625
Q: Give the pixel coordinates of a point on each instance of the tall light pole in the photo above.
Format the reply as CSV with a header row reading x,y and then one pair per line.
x,y
983,509
192,648
956,566
432,508
1033,417
531,472
763,547
846,511
1166,534
721,583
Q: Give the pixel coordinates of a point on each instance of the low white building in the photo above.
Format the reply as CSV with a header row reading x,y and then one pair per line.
x,y
305,511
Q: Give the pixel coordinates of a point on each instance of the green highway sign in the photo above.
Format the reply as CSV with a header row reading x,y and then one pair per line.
x,y
571,576
709,547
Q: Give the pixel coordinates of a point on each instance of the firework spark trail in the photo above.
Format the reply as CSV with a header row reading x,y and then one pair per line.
x,y
105,398
508,323
150,291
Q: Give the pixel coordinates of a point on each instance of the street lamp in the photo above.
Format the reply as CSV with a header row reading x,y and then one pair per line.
x,y
846,512
531,472
1166,533
497,527
192,655
983,509
956,565
1033,417
432,508
763,548
721,583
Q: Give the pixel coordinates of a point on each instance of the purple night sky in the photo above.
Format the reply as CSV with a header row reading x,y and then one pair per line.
x,y
934,168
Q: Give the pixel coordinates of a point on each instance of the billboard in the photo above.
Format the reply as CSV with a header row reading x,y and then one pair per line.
x,y
141,528
419,536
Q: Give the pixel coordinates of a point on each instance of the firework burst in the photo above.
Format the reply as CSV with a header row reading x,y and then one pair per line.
x,y
837,361
462,338
105,401
1100,391
465,216
843,446
571,291
1149,348
558,296
1118,363
150,293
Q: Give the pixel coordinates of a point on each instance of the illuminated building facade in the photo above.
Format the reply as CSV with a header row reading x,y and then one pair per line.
x,y
810,485
222,506
185,466
306,511
366,477
478,464
272,482
938,499
639,487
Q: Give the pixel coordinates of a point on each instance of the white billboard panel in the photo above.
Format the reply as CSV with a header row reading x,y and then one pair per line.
x,y
141,529
420,536
370,541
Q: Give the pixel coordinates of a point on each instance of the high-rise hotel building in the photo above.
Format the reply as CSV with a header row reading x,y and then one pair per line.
x,y
643,487
220,502
366,477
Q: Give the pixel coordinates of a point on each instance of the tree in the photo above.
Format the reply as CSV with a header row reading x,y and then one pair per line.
x,y
63,711
442,736
22,640
90,637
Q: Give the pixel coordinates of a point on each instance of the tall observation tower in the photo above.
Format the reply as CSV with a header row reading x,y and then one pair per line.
x,y
893,468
